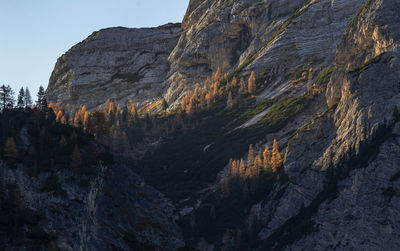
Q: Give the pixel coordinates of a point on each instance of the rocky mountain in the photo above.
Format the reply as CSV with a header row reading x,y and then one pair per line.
x,y
69,194
237,36
273,38
328,91
115,63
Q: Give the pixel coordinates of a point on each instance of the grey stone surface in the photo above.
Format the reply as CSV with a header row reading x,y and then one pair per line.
x,y
354,145
360,136
115,63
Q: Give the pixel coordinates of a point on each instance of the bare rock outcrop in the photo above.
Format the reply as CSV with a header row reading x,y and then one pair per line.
x,y
274,38
117,64
354,165
342,162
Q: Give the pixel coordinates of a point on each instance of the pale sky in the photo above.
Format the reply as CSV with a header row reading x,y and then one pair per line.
x,y
34,33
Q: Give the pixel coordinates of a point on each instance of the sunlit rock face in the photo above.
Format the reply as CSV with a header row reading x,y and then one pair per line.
x,y
117,64
273,38
344,167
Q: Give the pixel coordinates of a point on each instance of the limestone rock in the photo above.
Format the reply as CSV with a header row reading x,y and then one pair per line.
x,y
343,167
273,38
117,64
353,158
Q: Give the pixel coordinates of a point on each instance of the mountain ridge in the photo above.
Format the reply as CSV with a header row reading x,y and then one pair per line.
x,y
327,91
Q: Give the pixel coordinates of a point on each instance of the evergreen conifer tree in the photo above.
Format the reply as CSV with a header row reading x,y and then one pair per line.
x,y
27,98
21,98
6,97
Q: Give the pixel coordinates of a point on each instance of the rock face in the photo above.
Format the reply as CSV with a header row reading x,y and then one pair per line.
x,y
342,162
117,64
274,38
354,164
114,210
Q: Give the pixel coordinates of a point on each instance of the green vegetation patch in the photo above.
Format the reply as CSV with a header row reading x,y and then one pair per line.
x,y
357,16
325,76
282,112
366,65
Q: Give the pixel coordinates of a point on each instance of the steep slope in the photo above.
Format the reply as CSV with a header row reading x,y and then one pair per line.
x,y
351,154
277,39
339,189
115,63
327,89
61,190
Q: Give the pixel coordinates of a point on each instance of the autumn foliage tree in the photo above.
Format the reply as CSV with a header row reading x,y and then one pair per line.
x,y
263,161
251,84
266,157
276,160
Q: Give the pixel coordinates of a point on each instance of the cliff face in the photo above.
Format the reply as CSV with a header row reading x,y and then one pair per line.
x,y
339,188
117,64
354,164
276,39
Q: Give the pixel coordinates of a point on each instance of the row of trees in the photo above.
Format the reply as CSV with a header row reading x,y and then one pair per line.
x,y
213,89
121,128
256,163
24,100
242,172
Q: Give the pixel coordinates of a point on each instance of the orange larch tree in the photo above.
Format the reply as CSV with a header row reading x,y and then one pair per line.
x,y
251,85
266,157
276,160
217,75
242,169
234,82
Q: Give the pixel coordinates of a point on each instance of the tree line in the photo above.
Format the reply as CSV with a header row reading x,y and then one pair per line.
x,y
24,99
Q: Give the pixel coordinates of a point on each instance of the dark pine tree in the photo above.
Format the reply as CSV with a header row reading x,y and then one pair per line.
x,y
41,102
27,98
6,97
21,98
